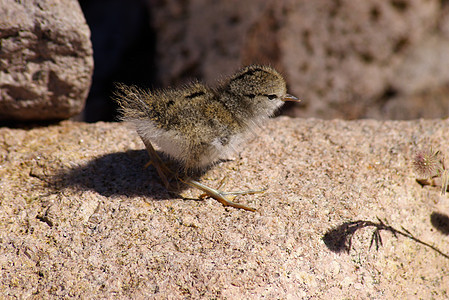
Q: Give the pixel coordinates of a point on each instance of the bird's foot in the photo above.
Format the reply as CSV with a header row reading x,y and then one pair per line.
x,y
224,198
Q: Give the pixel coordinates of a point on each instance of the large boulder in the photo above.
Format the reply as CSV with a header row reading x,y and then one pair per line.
x,y
345,59
45,59
80,216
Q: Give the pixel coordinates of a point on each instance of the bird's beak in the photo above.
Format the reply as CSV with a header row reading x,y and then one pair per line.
x,y
289,97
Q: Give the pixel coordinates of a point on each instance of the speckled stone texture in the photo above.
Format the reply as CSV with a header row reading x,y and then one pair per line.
x,y
46,59
346,59
80,216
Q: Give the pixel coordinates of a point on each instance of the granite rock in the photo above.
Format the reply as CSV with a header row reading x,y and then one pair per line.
x,y
45,59
80,216
345,59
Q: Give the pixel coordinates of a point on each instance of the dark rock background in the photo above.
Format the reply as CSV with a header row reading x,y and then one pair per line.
x,y
124,51
345,59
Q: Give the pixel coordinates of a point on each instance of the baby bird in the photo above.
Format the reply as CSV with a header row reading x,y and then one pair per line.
x,y
197,125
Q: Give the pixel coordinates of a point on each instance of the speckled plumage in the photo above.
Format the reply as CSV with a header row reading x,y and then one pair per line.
x,y
197,124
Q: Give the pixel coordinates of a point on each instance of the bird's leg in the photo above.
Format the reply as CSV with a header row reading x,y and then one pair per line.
x,y
164,172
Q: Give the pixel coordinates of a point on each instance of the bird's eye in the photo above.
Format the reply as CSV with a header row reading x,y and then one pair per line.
x,y
271,97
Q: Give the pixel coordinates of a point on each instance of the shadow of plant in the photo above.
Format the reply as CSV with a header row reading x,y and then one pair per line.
x,y
339,239
440,222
